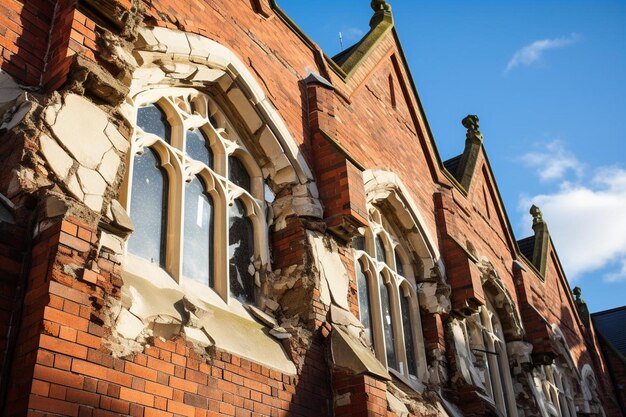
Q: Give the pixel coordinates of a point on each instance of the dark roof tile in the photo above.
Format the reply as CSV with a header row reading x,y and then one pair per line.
x,y
612,325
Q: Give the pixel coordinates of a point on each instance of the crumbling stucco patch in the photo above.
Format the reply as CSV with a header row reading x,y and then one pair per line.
x,y
60,162
79,125
330,267
432,298
160,307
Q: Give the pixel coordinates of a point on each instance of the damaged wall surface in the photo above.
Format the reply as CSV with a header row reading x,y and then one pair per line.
x,y
194,221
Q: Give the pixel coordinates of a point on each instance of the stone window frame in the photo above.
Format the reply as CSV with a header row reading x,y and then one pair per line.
x,y
486,337
397,286
557,391
592,403
224,141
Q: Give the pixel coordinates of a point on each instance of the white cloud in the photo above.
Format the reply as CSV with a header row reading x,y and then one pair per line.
x,y
553,162
533,52
588,223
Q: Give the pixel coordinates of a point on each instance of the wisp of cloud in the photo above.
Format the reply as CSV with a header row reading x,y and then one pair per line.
x,y
533,52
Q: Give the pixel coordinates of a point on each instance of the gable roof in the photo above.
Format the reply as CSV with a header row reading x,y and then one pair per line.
x,y
452,165
527,247
610,324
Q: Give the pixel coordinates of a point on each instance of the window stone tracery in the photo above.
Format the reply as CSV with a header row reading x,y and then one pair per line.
x,y
209,197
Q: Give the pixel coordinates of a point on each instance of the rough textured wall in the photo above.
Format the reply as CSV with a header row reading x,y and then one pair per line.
x,y
84,347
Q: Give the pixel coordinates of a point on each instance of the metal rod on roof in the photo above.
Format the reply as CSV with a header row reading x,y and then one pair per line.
x,y
340,41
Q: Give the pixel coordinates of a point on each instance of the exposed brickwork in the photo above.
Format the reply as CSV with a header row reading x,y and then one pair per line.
x,y
362,395
62,363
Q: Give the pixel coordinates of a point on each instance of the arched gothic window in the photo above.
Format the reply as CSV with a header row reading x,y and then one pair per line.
x,y
557,391
388,304
488,346
194,194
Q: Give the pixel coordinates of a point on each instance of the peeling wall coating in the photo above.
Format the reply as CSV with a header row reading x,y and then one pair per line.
x,y
454,319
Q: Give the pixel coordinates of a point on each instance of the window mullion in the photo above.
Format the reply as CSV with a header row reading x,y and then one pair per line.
x,y
176,210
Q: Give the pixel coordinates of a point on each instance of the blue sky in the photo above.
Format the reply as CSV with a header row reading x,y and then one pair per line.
x,y
548,81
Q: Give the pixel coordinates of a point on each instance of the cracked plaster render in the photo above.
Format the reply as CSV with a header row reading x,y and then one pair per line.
x,y
331,268
80,125
161,301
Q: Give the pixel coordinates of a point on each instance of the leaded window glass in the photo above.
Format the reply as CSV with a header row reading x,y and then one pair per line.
x,y
365,310
240,253
198,148
148,208
399,266
151,119
390,344
238,174
381,255
198,234
409,344
199,212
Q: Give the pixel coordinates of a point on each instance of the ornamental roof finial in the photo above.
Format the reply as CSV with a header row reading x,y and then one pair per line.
x,y
536,213
470,122
380,6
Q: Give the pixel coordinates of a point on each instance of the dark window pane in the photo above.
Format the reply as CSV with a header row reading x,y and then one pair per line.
x,y
388,325
148,208
198,238
238,174
381,255
408,335
358,242
399,267
197,147
365,311
151,119
240,252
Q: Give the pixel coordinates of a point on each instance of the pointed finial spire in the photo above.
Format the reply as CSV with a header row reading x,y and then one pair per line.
x,y
470,122
536,213
581,305
382,12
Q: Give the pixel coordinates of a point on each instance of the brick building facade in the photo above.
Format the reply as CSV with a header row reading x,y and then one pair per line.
x,y
202,214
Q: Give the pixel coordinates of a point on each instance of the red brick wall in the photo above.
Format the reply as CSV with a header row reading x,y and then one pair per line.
x,y
24,28
62,367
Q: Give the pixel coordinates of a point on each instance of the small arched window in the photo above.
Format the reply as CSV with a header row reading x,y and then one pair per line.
x,y
390,339
148,208
197,208
240,252
407,328
198,233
